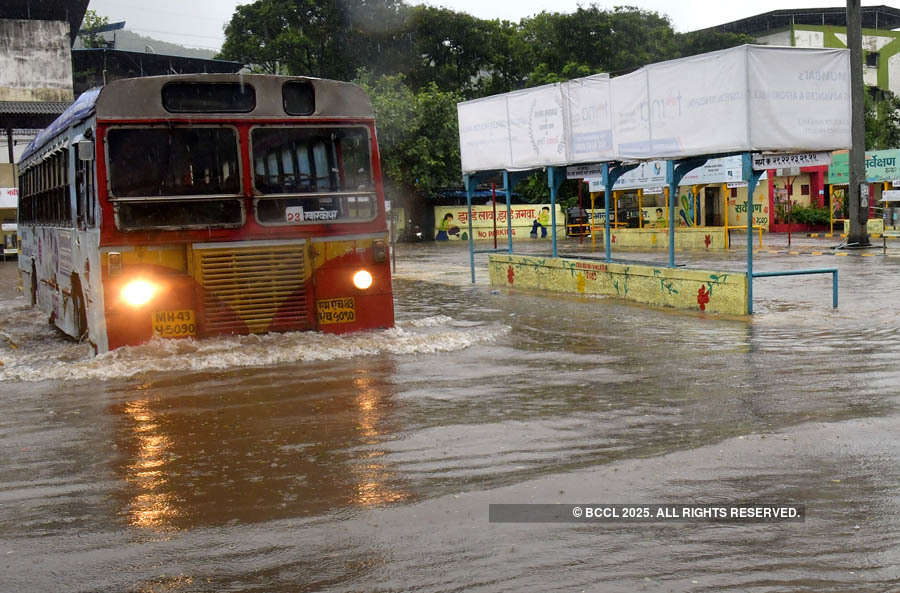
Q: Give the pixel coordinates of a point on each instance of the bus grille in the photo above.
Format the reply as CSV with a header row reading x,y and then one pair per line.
x,y
247,288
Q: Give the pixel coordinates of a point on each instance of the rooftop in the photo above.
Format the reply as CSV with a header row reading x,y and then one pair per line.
x,y
873,17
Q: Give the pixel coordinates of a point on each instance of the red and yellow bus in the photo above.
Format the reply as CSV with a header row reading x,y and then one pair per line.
x,y
201,205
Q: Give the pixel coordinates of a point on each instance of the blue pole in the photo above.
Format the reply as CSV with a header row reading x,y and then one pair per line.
x,y
752,178
834,289
508,189
554,186
470,186
607,191
673,190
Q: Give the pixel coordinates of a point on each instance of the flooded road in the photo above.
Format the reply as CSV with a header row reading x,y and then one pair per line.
x,y
303,462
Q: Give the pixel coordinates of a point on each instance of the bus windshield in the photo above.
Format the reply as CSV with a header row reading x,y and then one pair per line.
x,y
150,167
327,172
173,161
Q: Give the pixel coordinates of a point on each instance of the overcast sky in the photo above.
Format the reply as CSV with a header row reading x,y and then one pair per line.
x,y
200,23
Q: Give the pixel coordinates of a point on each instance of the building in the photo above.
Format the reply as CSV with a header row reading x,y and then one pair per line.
x,y
36,40
826,28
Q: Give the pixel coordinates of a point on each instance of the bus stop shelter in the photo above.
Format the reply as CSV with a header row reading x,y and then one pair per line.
x,y
773,106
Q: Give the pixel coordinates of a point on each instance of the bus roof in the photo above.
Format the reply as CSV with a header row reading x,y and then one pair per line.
x,y
141,98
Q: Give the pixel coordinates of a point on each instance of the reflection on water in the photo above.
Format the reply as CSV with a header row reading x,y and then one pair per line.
x,y
372,476
206,454
151,505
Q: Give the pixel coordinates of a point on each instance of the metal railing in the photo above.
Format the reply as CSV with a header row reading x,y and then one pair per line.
x,y
832,271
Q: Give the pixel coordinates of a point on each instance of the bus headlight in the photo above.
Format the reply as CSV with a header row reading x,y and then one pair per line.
x,y
362,279
138,292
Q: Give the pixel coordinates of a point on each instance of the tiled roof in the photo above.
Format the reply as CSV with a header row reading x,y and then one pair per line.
x,y
32,107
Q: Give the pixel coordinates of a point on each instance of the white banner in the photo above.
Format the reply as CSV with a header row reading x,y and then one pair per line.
x,y
484,134
9,197
631,123
590,119
800,99
727,169
748,98
537,132
647,174
698,105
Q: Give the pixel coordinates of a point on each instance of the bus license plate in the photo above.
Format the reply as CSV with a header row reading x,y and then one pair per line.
x,y
336,310
174,324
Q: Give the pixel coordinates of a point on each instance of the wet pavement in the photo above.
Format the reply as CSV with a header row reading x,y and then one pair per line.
x,y
303,462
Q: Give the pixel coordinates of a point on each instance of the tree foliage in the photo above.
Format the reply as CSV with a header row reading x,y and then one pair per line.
x,y
417,133
417,62
90,24
882,122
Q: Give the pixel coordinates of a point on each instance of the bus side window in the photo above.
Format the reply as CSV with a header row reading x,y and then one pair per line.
x,y
84,189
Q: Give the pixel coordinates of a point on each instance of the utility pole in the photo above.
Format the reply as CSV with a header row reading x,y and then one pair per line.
x,y
858,209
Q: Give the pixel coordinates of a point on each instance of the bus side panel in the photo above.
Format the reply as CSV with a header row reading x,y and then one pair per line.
x,y
90,273
336,263
39,268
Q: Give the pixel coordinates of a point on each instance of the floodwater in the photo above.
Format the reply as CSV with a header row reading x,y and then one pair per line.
x,y
304,462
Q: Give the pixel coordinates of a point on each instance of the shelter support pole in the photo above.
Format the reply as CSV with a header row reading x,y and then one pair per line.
x,y
611,174
607,189
593,234
675,172
725,203
471,183
752,178
555,177
640,208
673,189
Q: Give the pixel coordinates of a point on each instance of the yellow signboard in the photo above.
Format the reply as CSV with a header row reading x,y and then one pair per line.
x,y
174,324
529,221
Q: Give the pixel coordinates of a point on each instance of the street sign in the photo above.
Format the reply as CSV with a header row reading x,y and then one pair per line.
x,y
767,160
582,171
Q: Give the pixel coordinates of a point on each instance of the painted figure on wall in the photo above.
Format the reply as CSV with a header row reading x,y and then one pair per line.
x,y
542,221
446,228
688,209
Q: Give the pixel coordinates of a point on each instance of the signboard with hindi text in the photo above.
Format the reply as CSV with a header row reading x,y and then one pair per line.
x,y
881,165
452,222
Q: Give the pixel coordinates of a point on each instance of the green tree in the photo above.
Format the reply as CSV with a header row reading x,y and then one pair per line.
x,y
614,41
417,134
882,121
511,59
89,29
544,75
329,39
699,42
452,49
